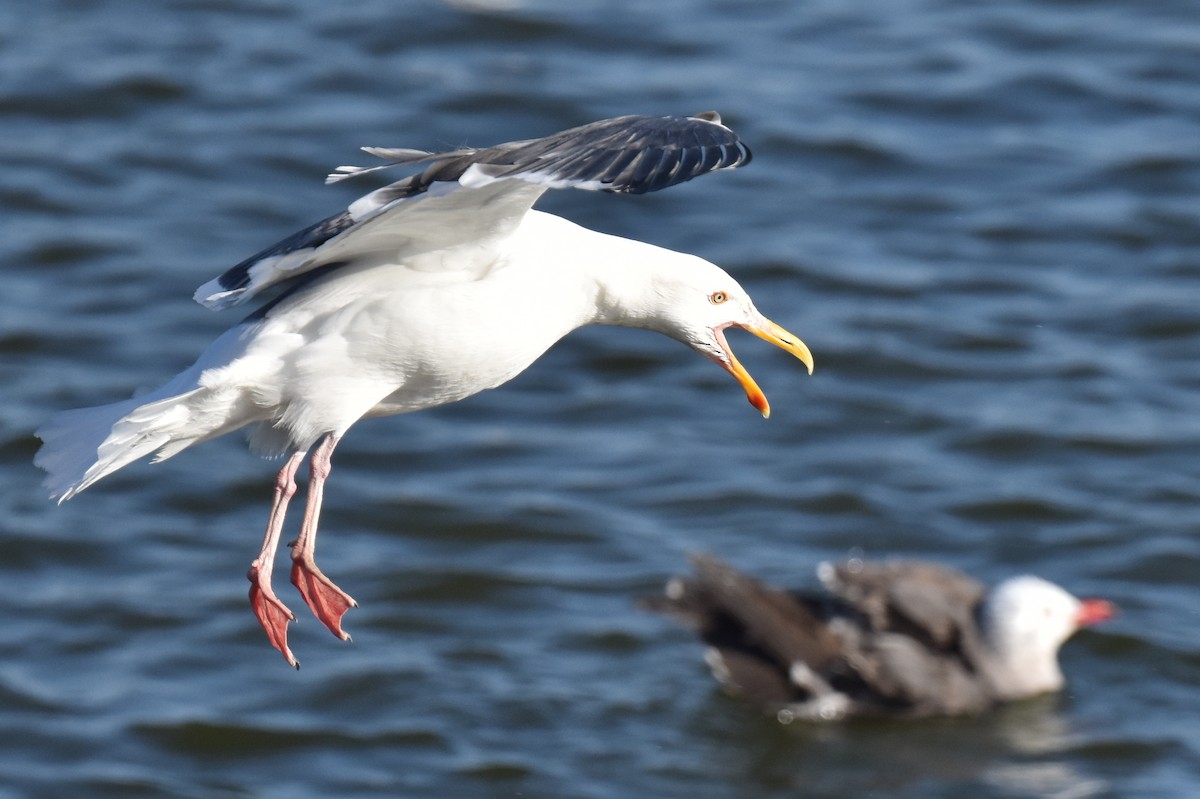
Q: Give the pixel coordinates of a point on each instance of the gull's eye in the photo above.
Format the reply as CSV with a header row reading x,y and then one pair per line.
x,y
717,297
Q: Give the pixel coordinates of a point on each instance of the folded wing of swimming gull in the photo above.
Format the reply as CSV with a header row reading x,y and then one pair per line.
x,y
926,600
906,638
424,292
479,196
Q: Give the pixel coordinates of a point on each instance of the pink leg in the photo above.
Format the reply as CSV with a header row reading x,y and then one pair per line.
x,y
327,601
272,614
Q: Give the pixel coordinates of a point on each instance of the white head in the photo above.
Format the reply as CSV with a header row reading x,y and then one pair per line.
x,y
694,301
1025,620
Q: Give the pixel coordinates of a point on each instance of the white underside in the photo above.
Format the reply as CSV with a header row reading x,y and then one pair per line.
x,y
370,339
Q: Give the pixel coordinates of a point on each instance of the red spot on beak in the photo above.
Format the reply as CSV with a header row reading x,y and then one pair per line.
x,y
1092,611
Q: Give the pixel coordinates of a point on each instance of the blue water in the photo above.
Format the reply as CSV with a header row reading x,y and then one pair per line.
x,y
982,219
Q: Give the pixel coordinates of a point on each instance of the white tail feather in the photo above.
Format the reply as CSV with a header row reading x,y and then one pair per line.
x,y
85,445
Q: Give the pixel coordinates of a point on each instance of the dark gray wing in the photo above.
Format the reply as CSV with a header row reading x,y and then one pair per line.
x,y
629,154
934,604
898,674
479,196
757,634
297,253
918,651
850,653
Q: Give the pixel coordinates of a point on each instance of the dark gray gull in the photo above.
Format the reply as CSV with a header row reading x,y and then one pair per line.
x,y
424,292
905,638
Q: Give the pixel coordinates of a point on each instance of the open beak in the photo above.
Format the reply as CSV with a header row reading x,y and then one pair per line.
x,y
767,331
1092,611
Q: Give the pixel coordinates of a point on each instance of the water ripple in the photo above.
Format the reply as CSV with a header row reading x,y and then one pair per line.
x,y
980,219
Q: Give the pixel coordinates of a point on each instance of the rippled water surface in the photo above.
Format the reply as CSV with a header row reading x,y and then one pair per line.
x,y
982,218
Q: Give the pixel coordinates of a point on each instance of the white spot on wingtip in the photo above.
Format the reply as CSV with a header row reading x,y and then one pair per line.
x,y
210,296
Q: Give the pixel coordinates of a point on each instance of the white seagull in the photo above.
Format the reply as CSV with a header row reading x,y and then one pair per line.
x,y
422,293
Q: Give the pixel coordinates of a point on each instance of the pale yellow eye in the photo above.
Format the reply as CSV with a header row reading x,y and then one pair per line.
x,y
718,297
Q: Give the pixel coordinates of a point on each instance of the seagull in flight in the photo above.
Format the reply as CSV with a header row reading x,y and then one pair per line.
x,y
423,292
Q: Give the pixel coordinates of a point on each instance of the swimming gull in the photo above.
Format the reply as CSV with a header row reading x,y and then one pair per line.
x,y
423,292
905,638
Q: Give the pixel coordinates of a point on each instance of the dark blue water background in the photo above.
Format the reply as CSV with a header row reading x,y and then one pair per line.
x,y
982,217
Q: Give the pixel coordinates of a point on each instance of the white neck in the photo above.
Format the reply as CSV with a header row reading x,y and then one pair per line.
x,y
610,281
1027,673
1020,666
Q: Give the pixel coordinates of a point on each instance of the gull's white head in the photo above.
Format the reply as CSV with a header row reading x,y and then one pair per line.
x,y
696,302
1025,621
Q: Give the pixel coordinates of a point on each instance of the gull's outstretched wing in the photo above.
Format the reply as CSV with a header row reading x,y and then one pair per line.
x,y
477,197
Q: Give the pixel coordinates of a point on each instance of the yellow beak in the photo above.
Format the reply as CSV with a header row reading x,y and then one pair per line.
x,y
767,331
